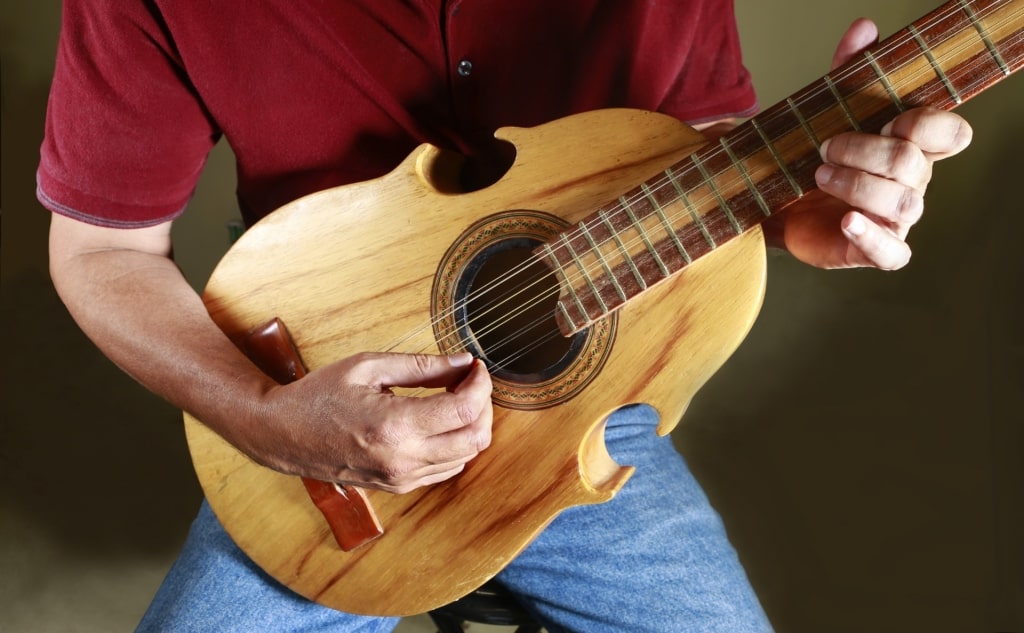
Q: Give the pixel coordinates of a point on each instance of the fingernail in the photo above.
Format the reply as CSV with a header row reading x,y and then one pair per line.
x,y
855,226
462,359
823,149
824,174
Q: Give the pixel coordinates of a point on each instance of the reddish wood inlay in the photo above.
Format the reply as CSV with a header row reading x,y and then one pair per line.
x,y
347,510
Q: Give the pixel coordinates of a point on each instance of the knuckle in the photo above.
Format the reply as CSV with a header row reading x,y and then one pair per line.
x,y
395,473
465,413
963,133
422,363
905,160
361,358
386,434
483,440
360,364
859,185
909,206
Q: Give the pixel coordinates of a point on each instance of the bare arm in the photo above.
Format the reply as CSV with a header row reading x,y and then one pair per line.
x,y
340,423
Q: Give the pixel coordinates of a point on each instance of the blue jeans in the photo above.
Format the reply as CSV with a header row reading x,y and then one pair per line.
x,y
655,558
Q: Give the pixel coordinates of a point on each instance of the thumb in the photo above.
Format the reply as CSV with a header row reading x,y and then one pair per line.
x,y
422,370
861,34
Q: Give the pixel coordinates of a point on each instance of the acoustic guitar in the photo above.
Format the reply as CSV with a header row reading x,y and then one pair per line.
x,y
620,260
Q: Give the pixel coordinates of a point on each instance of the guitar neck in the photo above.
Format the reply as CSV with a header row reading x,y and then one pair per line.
x,y
729,187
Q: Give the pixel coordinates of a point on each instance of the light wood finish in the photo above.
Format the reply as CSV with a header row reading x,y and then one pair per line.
x,y
351,269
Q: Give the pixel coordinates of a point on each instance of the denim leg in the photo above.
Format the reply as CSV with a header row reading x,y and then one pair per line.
x,y
214,586
656,558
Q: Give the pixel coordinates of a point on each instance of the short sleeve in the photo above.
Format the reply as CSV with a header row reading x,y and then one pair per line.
x,y
126,136
713,83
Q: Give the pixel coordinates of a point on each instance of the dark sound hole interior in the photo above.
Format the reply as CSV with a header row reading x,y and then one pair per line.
x,y
510,313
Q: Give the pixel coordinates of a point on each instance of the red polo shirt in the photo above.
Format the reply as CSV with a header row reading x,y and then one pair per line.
x,y
316,93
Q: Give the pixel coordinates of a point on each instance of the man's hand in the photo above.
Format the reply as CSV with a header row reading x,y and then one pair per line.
x,y
342,423
871,187
339,423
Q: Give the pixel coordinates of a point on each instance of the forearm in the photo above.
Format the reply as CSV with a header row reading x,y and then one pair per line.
x,y
139,310
340,423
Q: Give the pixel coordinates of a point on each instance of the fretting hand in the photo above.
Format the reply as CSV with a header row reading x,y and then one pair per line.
x,y
871,187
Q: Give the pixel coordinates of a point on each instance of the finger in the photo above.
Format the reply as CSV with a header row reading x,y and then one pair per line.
x,y
468,403
469,439
384,371
420,461
938,133
444,412
861,34
888,200
873,245
406,482
440,454
472,402
455,448
893,158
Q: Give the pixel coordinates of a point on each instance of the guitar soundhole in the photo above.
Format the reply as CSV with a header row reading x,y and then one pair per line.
x,y
507,299
491,296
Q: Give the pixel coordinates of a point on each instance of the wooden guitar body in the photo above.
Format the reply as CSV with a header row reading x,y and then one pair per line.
x,y
359,268
655,244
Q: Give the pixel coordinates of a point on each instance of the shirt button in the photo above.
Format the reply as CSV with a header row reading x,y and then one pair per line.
x,y
465,68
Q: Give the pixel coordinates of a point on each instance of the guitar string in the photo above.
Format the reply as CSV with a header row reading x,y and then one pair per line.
x,y
495,351
916,57
897,42
636,243
936,88
748,135
617,210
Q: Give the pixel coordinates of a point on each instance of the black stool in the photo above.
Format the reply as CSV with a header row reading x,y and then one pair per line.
x,y
490,604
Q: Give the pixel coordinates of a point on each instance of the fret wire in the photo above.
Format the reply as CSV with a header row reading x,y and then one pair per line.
x,y
884,79
565,315
746,177
803,123
810,132
1003,66
604,262
842,102
647,242
798,114
699,221
568,284
664,220
723,204
622,247
778,158
586,276
935,65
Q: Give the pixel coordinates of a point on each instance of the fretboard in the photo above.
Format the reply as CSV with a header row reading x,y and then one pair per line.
x,y
726,188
